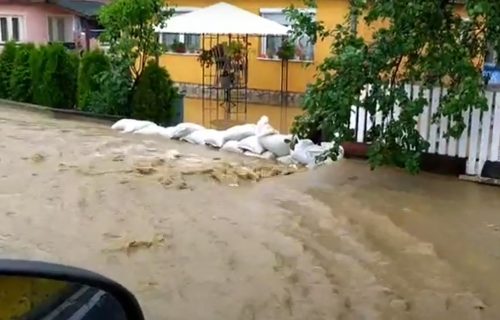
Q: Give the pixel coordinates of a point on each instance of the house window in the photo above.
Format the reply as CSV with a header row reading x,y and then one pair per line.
x,y
57,29
180,43
304,49
10,28
491,69
491,56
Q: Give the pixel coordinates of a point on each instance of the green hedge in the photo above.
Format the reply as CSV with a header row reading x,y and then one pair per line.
x,y
21,80
59,78
92,65
38,61
53,76
7,58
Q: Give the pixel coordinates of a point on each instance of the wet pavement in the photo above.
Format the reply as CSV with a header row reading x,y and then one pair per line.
x,y
340,242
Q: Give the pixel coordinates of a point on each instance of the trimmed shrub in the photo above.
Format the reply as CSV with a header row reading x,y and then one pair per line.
x,y
38,60
7,58
59,78
20,79
92,65
154,95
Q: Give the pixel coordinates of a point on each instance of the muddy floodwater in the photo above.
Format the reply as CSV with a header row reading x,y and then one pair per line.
x,y
200,234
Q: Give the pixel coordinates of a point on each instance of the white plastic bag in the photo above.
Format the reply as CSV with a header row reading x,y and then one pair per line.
x,y
185,128
136,125
267,155
231,146
199,136
239,132
152,129
215,139
264,128
279,144
251,144
167,132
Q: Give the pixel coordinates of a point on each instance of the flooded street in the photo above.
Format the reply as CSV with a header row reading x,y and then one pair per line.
x,y
195,236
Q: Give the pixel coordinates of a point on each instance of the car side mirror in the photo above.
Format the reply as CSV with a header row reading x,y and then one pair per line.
x,y
33,290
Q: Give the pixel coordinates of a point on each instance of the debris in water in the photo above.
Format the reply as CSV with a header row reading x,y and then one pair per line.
x,y
172,154
494,227
37,157
110,235
183,186
118,158
136,245
166,181
156,162
145,170
400,304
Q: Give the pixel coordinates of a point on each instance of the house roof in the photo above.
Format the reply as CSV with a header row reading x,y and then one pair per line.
x,y
223,18
84,8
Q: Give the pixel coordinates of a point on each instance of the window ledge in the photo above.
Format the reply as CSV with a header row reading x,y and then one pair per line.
x,y
188,54
279,60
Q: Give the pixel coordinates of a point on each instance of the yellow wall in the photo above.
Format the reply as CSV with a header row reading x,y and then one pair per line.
x,y
263,74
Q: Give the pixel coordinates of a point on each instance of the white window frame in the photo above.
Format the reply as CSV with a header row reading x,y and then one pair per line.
x,y
263,42
181,35
66,17
22,26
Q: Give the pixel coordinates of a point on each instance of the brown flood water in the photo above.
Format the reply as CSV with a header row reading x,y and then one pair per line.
x,y
340,242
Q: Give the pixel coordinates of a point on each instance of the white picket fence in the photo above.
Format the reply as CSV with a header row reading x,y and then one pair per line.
x,y
479,142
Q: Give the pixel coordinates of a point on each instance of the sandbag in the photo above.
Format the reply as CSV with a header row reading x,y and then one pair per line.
x,y
239,132
167,132
215,139
136,125
231,146
251,144
286,160
199,136
185,128
306,153
152,129
263,127
267,155
279,144
122,124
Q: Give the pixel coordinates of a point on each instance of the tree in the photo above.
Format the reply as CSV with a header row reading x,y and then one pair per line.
x,y
7,58
21,79
424,42
130,30
154,96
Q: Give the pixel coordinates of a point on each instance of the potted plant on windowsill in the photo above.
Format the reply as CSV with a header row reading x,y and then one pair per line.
x,y
271,53
300,54
178,47
286,51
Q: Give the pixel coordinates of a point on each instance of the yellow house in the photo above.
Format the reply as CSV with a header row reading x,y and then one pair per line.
x,y
264,74
264,84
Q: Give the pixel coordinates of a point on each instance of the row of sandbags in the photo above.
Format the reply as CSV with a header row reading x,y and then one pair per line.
x,y
256,140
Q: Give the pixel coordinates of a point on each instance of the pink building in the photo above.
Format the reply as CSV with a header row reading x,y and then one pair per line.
x,y
44,21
